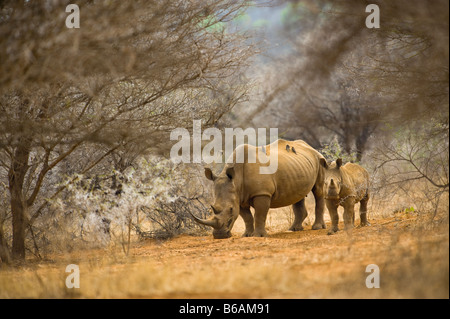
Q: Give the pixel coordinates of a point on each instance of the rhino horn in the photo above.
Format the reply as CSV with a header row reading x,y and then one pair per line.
x,y
212,222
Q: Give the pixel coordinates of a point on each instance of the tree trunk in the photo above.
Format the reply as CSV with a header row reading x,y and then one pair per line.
x,y
361,142
18,210
17,172
4,249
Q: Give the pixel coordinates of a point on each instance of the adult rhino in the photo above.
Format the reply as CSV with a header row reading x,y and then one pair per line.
x,y
241,185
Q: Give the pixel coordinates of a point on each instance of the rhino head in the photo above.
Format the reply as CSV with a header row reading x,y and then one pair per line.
x,y
333,180
226,206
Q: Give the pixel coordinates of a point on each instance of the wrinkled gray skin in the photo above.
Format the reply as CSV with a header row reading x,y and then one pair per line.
x,y
346,185
240,186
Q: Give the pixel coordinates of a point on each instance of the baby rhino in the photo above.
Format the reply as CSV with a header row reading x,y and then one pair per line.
x,y
346,185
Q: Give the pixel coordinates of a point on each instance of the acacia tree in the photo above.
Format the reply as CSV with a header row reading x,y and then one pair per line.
x,y
341,111
128,75
420,153
400,71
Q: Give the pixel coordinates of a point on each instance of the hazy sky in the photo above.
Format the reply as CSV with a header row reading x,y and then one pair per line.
x,y
268,21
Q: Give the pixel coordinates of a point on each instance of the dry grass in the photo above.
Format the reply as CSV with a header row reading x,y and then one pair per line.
x,y
411,251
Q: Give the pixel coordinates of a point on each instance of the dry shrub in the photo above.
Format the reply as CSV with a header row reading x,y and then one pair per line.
x,y
411,171
151,199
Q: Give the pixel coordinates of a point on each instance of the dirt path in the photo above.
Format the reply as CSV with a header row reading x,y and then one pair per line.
x,y
412,256
305,264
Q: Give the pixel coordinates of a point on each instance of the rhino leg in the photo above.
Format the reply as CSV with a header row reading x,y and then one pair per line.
x,y
247,216
332,206
300,214
261,205
349,213
363,211
319,222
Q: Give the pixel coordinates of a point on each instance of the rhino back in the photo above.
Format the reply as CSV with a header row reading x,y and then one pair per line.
x,y
293,180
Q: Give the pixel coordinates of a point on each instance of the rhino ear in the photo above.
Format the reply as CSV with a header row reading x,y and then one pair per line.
x,y
230,172
323,162
339,162
209,174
